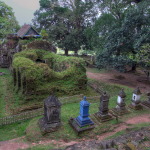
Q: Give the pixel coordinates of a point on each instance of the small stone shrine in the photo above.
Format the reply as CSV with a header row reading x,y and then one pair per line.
x,y
82,122
103,114
83,119
136,103
51,120
121,106
147,102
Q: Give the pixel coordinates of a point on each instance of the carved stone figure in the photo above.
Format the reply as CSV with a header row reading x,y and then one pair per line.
x,y
51,120
104,101
103,113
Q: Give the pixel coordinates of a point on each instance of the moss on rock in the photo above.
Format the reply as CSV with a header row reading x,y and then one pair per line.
x,y
60,74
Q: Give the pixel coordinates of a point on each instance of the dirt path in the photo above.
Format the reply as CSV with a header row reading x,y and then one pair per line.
x,y
132,80
18,143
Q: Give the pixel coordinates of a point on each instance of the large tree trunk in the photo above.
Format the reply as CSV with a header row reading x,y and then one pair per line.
x,y
66,52
76,53
147,74
134,67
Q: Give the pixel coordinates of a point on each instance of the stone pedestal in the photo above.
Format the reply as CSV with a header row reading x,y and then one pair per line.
x,y
136,106
51,120
103,118
121,106
82,122
83,119
120,112
77,128
48,127
103,114
136,103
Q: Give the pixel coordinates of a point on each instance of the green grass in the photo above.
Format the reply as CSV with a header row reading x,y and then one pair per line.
x,y
3,93
9,99
15,130
68,110
113,90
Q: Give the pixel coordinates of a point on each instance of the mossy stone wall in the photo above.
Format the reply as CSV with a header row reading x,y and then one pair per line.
x,y
60,74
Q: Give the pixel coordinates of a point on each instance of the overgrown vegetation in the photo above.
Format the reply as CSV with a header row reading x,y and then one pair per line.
x,y
143,58
59,74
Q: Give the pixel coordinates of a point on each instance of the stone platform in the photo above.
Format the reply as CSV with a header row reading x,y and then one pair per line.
x,y
46,127
136,107
120,112
101,118
77,128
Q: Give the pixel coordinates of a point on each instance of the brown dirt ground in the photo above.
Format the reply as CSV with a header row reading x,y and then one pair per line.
x,y
130,79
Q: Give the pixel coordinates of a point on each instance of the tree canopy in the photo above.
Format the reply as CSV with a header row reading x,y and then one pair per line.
x,y
8,22
143,59
115,29
125,37
66,21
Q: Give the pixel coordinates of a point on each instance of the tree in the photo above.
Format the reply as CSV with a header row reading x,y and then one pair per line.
x,y
143,58
66,21
8,23
44,34
97,34
124,40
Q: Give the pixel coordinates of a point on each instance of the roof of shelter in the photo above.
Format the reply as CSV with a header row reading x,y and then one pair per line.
x,y
24,29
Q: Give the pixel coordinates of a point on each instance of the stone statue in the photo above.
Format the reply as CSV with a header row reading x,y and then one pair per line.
x,y
51,120
103,113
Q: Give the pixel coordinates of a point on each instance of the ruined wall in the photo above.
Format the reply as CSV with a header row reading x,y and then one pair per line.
x,y
60,74
15,45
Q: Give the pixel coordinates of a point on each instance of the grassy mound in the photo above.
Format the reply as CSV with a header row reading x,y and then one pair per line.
x,y
41,73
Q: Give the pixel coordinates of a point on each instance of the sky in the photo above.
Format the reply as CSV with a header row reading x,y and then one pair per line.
x,y
23,9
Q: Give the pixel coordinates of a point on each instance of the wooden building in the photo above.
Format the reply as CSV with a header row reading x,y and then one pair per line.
x,y
27,31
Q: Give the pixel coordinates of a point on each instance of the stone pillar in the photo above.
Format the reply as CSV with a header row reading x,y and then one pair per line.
x,y
83,119
51,120
121,100
121,106
103,113
136,103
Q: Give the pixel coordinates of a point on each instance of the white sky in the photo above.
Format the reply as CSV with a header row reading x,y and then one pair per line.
x,y
23,9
